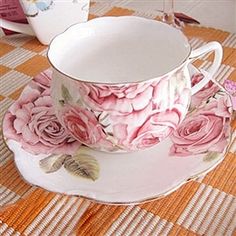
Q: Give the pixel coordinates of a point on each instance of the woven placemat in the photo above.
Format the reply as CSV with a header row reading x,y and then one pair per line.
x,y
206,206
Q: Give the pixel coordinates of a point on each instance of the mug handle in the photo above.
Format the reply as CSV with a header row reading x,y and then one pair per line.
x,y
208,75
17,27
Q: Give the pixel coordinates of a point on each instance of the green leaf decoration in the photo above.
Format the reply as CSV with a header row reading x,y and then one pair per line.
x,y
82,165
52,163
65,94
210,156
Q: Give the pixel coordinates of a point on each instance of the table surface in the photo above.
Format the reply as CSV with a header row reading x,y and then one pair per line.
x,y
206,206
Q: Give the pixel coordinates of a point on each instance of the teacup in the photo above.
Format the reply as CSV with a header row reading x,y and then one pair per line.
x,y
122,83
47,18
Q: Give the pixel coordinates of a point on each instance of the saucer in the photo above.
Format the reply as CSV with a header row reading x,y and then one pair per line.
x,y
129,178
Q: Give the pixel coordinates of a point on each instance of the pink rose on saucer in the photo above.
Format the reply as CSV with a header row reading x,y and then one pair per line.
x,y
43,80
207,91
32,122
205,130
230,86
84,126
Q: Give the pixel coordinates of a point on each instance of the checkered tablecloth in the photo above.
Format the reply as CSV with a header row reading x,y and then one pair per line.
x,y
206,206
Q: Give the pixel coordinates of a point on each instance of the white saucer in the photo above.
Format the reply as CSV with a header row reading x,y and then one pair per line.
x,y
118,178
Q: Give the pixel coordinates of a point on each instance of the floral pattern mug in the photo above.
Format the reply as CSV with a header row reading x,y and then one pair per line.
x,y
120,84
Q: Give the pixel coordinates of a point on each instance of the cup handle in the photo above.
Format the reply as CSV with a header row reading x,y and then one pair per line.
x,y
17,27
208,75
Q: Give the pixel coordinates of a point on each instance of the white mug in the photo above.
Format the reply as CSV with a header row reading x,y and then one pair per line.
x,y
48,18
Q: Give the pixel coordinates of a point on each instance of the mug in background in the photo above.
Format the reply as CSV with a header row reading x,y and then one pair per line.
x,y
48,18
123,83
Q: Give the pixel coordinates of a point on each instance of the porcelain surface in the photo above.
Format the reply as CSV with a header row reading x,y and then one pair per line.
x,y
48,18
121,90
48,157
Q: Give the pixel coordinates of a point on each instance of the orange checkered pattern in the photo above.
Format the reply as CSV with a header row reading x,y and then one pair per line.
x,y
206,206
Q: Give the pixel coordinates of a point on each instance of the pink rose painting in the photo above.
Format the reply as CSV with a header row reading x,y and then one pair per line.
x,y
157,127
84,126
129,98
230,86
207,91
125,99
32,122
130,116
43,80
124,118
206,129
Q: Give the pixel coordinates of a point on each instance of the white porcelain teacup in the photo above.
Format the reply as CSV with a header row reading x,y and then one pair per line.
x,y
122,83
47,18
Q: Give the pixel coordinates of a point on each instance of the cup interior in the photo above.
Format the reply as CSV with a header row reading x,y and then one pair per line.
x,y
118,50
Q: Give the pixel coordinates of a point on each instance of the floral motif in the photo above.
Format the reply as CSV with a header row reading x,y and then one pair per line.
x,y
43,80
207,91
206,129
230,86
157,127
32,122
84,126
116,99
81,164
125,117
32,7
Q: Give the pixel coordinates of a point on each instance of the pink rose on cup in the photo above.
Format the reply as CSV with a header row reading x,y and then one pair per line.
x,y
205,130
132,101
84,126
125,99
134,116
32,122
207,91
125,117
157,127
